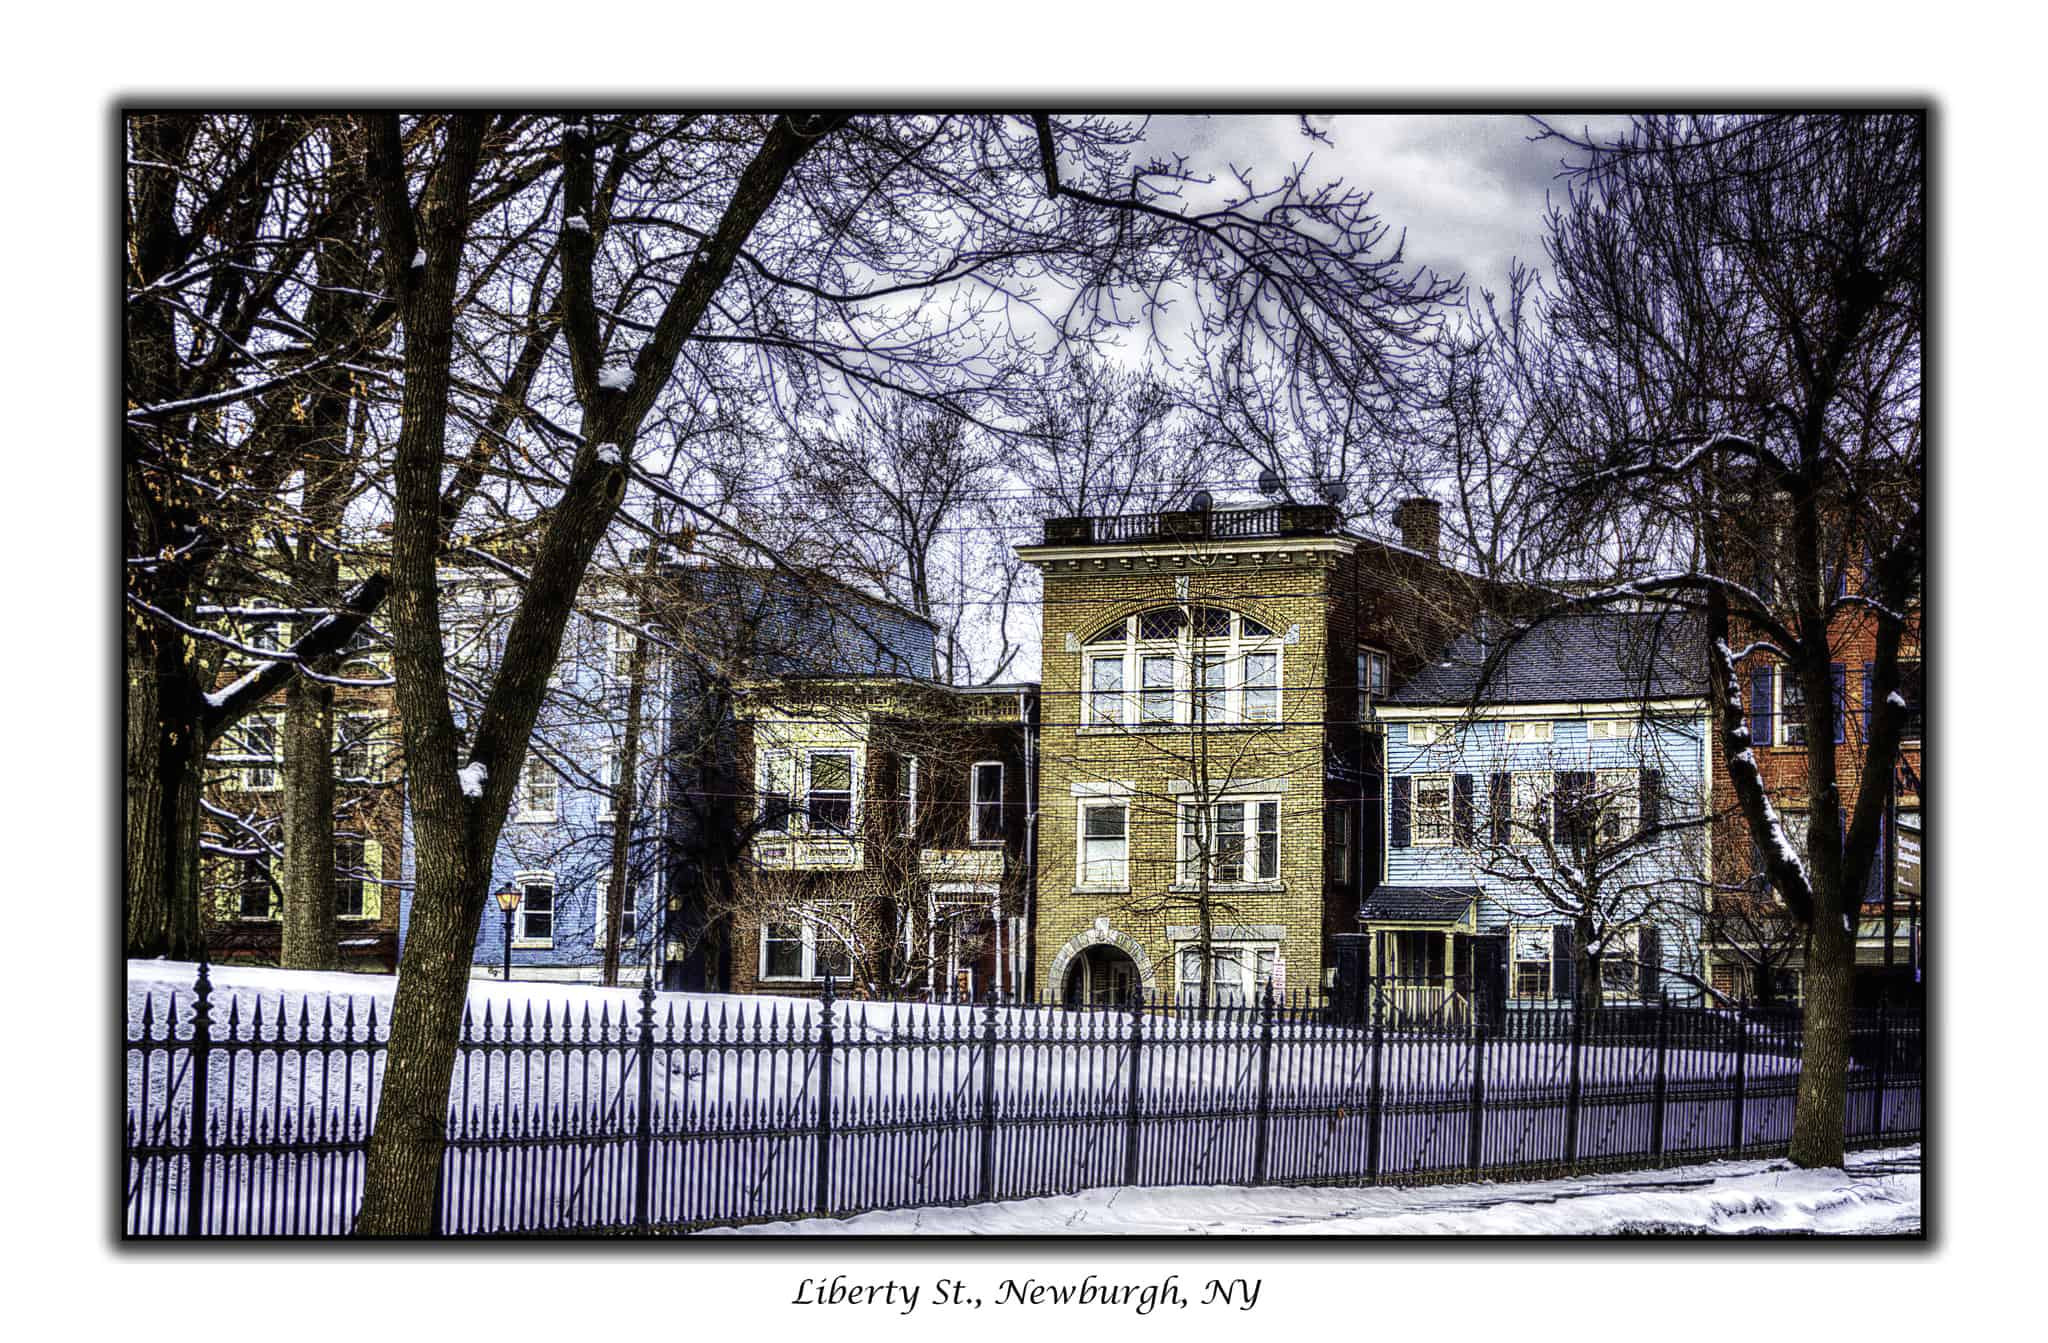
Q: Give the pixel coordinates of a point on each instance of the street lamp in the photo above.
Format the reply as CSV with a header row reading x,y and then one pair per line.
x,y
508,900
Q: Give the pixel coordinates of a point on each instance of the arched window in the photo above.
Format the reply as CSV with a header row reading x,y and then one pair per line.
x,y
1182,665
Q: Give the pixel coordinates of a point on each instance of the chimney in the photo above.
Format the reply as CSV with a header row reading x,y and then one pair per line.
x,y
1419,520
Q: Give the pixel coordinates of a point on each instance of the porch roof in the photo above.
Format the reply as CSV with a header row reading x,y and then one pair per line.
x,y
1419,904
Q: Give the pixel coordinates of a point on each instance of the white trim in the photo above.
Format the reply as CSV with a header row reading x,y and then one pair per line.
x,y
1588,709
807,924
1185,875
1103,788
1082,806
1415,839
975,802
528,815
1189,657
1182,549
521,939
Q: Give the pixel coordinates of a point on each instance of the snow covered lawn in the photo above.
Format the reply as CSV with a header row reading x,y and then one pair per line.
x,y
1878,1194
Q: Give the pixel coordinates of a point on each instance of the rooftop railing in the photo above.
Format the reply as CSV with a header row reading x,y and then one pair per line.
x,y
1212,524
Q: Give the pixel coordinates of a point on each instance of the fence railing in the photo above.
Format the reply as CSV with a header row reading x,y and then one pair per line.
x,y
692,1112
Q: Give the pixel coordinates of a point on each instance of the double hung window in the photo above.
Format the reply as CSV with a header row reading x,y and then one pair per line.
x,y
1236,840
1105,844
1183,665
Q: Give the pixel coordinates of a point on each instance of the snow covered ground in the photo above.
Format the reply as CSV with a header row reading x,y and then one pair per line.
x,y
1878,1194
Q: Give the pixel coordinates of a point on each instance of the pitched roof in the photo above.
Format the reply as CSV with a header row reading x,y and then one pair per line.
x,y
1590,656
1419,904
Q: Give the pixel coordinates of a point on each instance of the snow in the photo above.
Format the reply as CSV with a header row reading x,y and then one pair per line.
x,y
1877,1193
615,379
419,258
576,224
1746,757
472,778
1895,699
608,453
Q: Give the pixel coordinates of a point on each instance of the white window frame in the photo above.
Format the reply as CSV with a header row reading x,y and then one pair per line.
x,y
852,790
1252,963
766,760
619,651
1428,734
467,647
1122,879
975,802
1529,797
372,729
1787,723
600,908
537,771
1611,729
1132,703
810,929
267,636
1253,870
1620,946
1621,804
257,778
1529,732
1416,834
909,795
607,779
523,938
362,842
1516,933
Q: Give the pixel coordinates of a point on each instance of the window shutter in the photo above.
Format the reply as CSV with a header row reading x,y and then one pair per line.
x,y
1761,703
1561,962
1500,798
1866,701
1650,797
373,873
1838,676
1649,960
1462,827
1397,810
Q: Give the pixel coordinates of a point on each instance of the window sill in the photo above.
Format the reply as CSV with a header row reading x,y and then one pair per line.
x,y
1103,890
1235,887
533,944
1162,729
535,818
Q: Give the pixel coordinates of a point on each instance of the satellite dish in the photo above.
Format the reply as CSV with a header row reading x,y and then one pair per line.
x,y
1332,490
1202,502
1270,483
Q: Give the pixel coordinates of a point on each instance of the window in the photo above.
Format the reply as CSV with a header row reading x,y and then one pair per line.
x,y
1791,709
1239,973
1611,729
828,794
607,780
1242,841
1105,844
1912,689
348,877
1431,818
629,921
1575,809
254,893
809,945
775,780
1529,733
353,738
1619,804
1372,680
259,745
985,814
1106,690
1337,844
619,641
1529,960
1199,664
537,790
536,911
269,634
909,794
1155,699
1532,809
1428,734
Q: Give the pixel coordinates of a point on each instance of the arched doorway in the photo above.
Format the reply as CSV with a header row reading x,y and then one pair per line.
x,y
1103,975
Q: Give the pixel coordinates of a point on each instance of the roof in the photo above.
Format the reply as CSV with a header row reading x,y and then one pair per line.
x,y
1419,904
1597,656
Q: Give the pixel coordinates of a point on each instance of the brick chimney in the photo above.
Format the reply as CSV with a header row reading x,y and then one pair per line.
x,y
1419,521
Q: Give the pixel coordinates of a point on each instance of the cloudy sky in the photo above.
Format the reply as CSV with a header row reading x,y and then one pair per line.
x,y
1469,190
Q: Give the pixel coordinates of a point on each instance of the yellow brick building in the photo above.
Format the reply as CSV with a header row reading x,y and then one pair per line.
x,y
1207,744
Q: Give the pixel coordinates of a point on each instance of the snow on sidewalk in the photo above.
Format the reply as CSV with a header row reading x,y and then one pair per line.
x,y
1878,1194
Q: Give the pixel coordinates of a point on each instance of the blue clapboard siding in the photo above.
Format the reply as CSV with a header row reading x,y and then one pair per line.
x,y
1673,743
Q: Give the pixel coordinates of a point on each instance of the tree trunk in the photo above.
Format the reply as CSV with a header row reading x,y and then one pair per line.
x,y
625,801
402,1168
309,914
1823,1099
166,753
142,795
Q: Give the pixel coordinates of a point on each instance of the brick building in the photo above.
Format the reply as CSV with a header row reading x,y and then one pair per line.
x,y
1207,744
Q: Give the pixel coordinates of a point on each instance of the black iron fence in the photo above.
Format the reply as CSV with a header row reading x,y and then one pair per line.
x,y
252,1119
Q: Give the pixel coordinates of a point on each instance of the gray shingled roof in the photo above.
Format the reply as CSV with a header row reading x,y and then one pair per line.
x,y
1604,655
1419,904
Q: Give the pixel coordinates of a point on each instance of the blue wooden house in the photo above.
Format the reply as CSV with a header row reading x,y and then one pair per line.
x,y
1546,793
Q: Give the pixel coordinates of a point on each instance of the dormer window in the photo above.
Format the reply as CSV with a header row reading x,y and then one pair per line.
x,y
1181,666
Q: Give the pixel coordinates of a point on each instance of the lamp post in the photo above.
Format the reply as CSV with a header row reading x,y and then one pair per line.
x,y
508,900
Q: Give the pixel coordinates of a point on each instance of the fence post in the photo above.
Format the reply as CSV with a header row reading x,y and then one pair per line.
x,y
987,1192
1375,1101
822,1201
1660,1080
1739,1104
1573,1087
1137,1048
1884,1059
1262,1141
1475,1113
195,1141
643,1128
